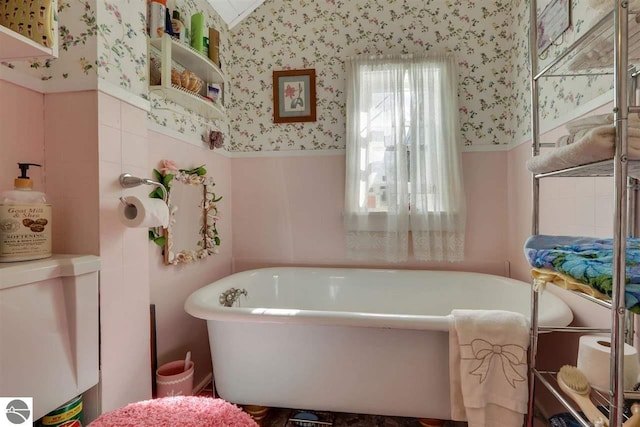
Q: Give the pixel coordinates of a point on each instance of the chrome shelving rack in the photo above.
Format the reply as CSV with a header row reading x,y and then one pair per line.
x,y
612,27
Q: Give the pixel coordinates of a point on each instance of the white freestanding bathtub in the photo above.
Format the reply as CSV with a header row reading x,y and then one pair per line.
x,y
348,340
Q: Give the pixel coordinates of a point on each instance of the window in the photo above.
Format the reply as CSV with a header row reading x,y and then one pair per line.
x,y
403,162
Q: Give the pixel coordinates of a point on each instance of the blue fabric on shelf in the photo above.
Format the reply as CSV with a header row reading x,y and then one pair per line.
x,y
563,420
587,260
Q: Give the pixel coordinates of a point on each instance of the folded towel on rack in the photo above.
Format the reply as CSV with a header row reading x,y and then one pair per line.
x,y
595,145
572,137
488,367
542,276
599,55
564,140
584,264
589,122
574,127
600,51
632,132
634,5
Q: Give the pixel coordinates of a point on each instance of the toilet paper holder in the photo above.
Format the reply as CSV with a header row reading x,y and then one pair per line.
x,y
129,181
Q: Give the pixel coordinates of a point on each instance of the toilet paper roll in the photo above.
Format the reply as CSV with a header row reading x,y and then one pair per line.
x,y
143,212
594,359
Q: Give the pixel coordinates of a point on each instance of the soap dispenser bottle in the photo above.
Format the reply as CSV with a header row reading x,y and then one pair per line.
x,y
25,221
178,27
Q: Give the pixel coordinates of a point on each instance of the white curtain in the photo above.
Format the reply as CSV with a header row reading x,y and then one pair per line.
x,y
404,174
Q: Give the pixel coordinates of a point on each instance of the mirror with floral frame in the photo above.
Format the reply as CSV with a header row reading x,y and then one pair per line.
x,y
192,233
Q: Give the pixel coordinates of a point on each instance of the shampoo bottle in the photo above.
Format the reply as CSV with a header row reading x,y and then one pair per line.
x,y
168,26
25,221
197,32
156,17
178,27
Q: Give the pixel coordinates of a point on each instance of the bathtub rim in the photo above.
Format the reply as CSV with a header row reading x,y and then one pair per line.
x,y
196,306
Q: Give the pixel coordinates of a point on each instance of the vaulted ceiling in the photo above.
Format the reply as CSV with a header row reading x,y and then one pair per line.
x,y
234,11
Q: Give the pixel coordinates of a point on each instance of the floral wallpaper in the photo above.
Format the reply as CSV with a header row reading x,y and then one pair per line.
x,y
104,39
122,45
295,34
77,37
107,40
521,70
490,40
558,96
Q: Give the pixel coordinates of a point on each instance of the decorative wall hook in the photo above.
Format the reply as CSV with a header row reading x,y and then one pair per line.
x,y
214,138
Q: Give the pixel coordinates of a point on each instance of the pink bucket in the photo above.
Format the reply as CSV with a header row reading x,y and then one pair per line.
x,y
173,380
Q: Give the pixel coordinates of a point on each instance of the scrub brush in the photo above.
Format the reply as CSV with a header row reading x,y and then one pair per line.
x,y
575,384
634,421
632,406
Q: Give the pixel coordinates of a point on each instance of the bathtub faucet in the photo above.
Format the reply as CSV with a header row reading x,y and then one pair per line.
x,y
231,295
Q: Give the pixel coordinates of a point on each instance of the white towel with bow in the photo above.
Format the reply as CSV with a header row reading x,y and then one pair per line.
x,y
595,145
488,367
589,122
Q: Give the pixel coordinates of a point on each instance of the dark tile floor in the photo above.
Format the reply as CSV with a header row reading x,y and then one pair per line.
x,y
279,418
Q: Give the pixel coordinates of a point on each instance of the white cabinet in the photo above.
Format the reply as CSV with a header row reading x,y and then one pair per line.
x,y
49,329
172,51
17,47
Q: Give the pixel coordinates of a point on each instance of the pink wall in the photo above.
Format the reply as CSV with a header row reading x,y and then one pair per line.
x,y
68,156
21,134
560,214
170,285
568,206
124,277
519,207
288,210
71,155
62,131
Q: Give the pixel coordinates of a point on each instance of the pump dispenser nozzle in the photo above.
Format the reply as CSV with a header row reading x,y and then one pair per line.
x,y
23,181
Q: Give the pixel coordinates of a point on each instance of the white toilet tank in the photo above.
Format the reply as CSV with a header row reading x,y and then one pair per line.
x,y
49,329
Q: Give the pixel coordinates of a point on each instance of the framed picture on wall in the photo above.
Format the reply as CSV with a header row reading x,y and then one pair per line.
x,y
553,21
294,96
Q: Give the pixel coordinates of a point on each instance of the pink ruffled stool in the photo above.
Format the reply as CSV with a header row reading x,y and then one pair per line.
x,y
184,411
